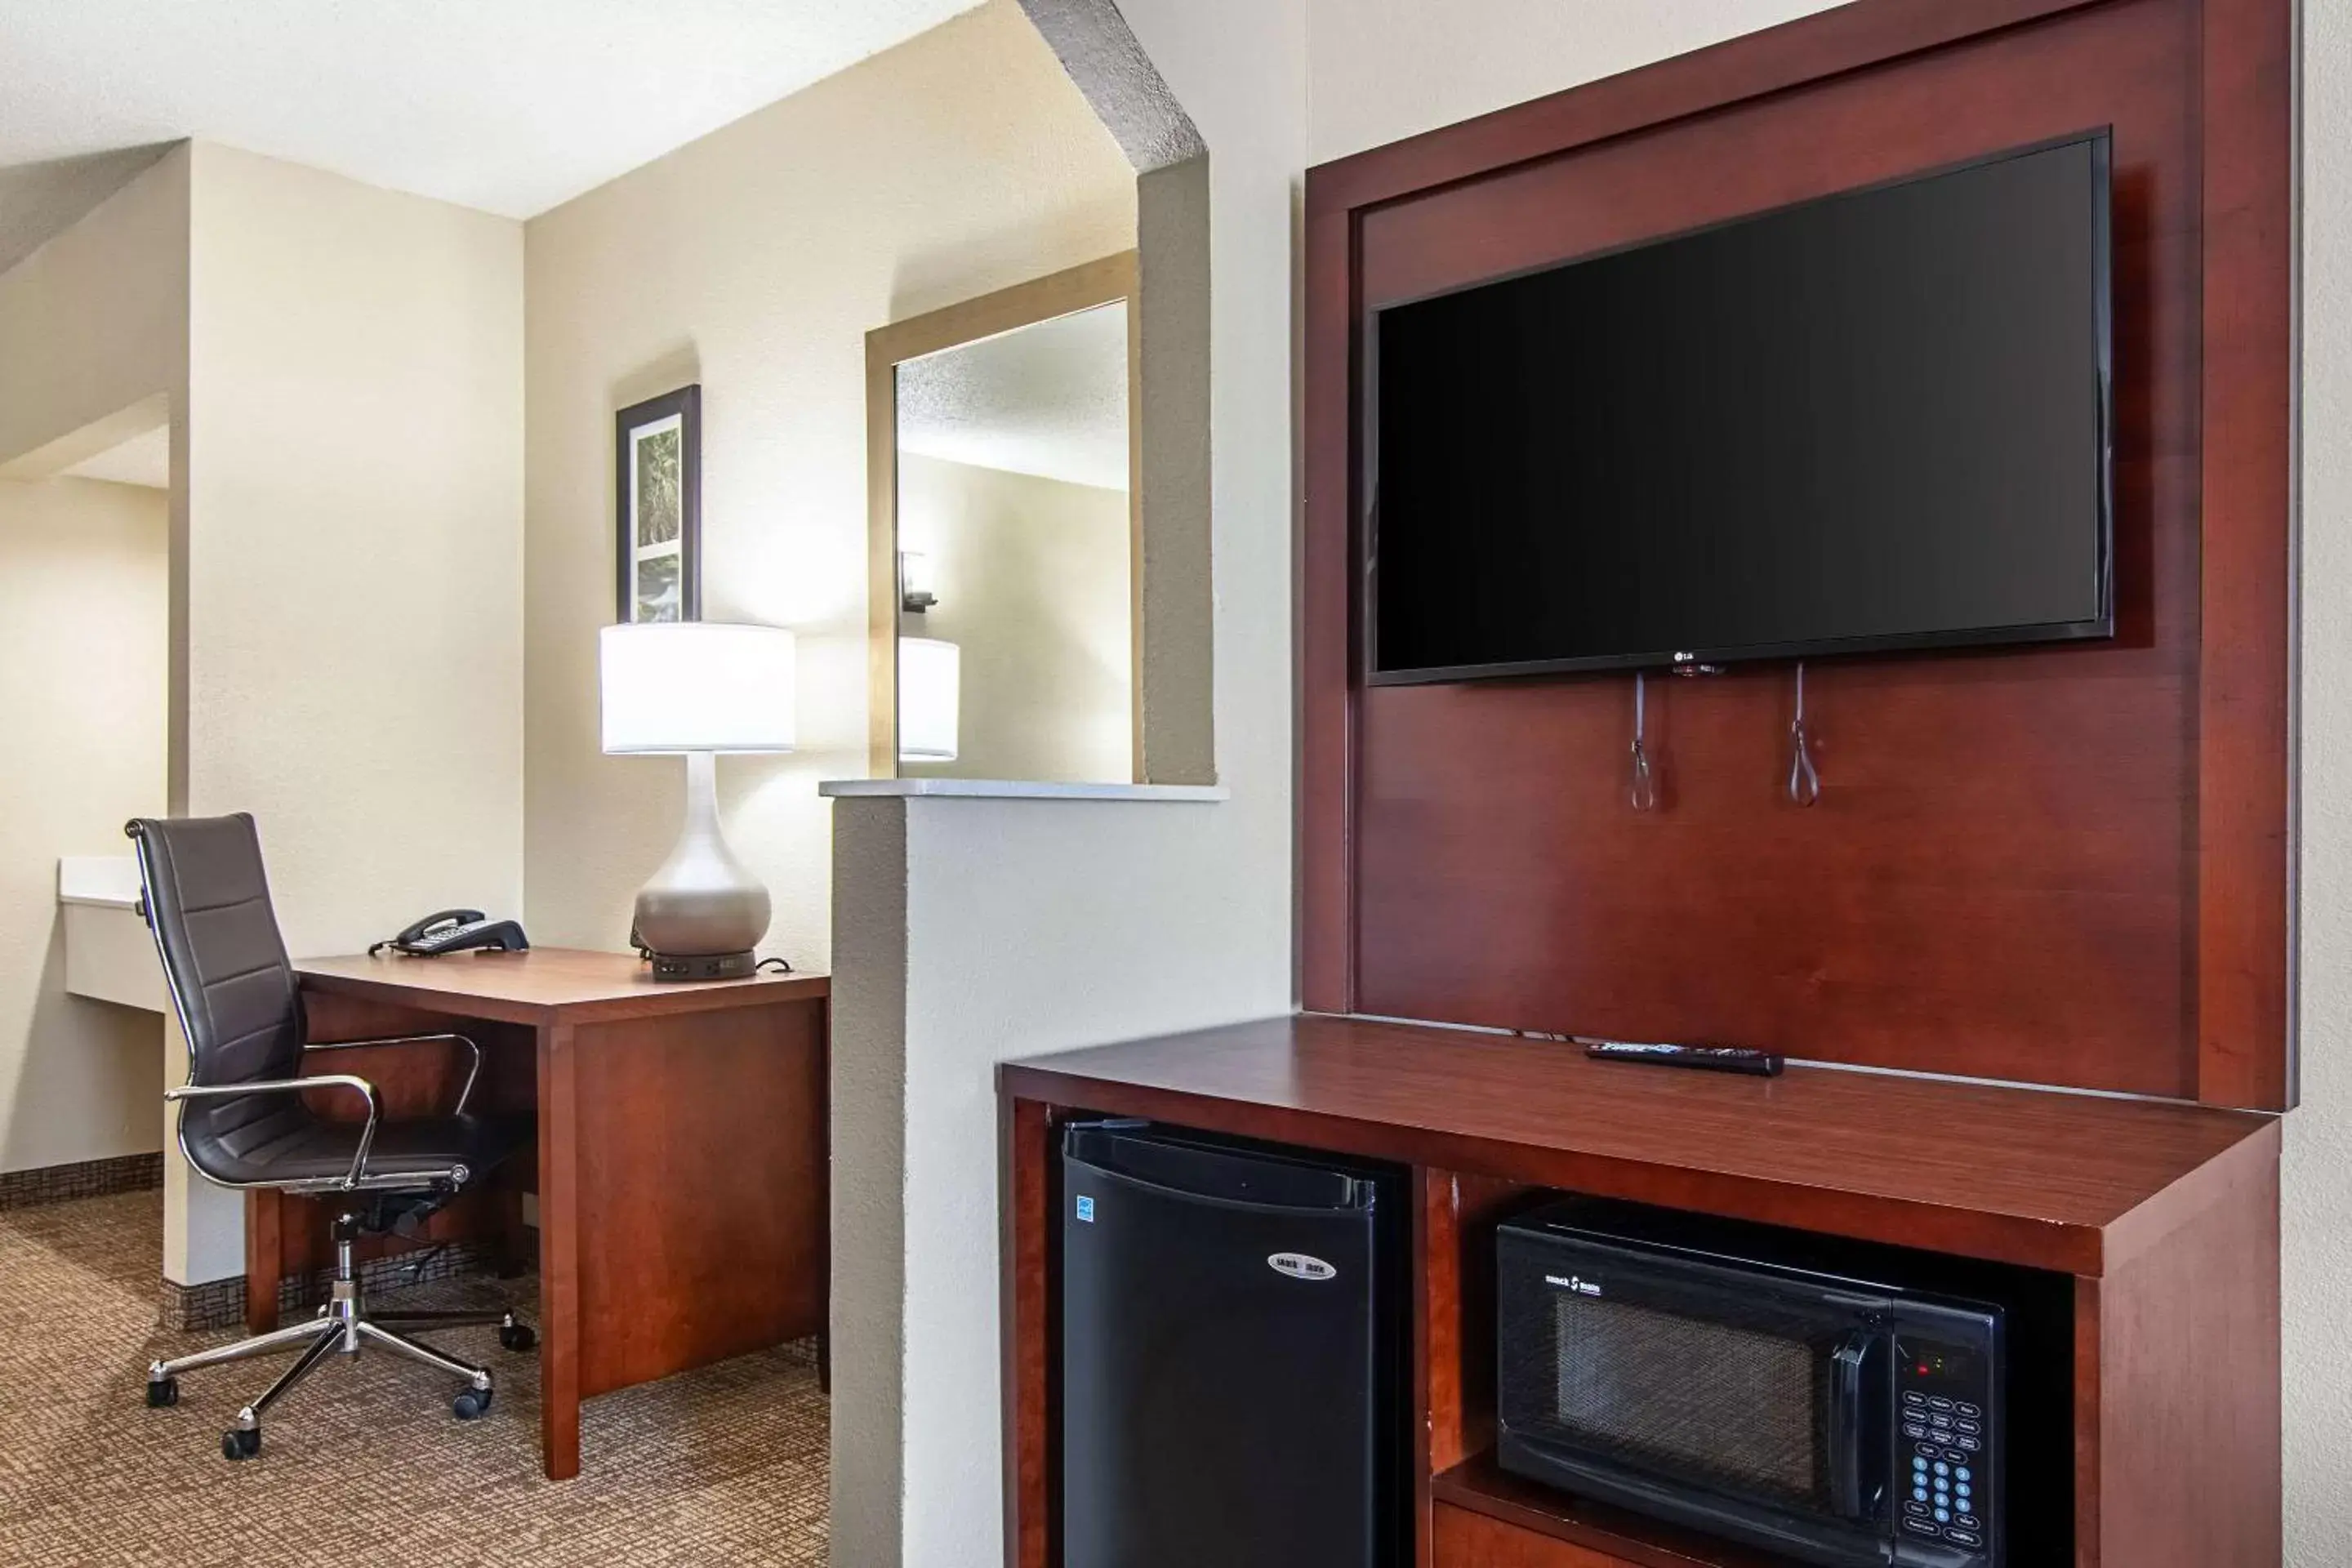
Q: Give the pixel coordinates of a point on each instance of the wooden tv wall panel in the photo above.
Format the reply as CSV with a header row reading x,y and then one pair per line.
x,y
2065,865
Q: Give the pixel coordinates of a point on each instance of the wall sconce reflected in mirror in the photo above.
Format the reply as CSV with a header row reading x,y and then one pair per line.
x,y
915,595
931,675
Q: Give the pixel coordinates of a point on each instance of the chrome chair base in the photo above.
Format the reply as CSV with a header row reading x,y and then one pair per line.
x,y
342,1325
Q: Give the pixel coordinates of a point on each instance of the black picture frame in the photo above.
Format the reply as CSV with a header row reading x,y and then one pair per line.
x,y
658,578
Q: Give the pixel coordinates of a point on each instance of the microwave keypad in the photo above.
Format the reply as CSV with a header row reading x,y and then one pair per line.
x,y
1924,1424
1944,1495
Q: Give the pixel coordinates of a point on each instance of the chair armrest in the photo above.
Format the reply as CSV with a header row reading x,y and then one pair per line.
x,y
472,1073
296,1085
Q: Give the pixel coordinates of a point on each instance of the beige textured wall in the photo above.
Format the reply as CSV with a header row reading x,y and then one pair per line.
x,y
82,637
96,319
1381,70
1036,925
869,1257
2318,1175
1174,469
1032,577
343,371
354,555
93,340
755,260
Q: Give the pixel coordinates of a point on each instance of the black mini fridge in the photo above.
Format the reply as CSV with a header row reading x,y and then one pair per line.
x,y
1232,1347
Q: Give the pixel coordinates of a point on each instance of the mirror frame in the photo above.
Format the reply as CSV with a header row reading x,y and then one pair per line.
x,y
1108,281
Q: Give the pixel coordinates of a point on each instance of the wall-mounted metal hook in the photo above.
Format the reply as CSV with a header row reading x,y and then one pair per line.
x,y
1804,779
1644,790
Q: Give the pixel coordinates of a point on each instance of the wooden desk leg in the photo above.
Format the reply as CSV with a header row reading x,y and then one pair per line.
x,y
264,1260
559,1253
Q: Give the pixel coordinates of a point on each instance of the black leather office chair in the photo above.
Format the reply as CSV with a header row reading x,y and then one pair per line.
x,y
244,1123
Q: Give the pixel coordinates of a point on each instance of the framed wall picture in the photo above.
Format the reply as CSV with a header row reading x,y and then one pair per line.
x,y
657,506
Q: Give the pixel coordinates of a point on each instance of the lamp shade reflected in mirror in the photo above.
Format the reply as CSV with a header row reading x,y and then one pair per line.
x,y
930,679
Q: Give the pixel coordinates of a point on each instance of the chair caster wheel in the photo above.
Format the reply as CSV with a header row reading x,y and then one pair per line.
x,y
241,1442
471,1406
163,1393
517,1336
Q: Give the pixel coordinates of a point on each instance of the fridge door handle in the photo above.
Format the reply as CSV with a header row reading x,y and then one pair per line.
x,y
1235,1206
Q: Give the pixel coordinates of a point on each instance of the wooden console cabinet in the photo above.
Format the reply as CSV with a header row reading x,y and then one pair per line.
x,y
2165,1215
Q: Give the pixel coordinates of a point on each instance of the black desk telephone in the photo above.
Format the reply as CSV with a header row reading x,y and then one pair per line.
x,y
455,930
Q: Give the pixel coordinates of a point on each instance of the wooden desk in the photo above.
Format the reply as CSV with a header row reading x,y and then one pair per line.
x,y
682,1166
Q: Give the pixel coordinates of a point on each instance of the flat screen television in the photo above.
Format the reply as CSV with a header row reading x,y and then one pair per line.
x,y
1877,420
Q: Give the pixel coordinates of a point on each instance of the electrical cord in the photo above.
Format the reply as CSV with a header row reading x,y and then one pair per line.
x,y
416,1264
646,955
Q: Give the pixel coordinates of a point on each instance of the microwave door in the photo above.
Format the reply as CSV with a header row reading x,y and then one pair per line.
x,y
1727,1399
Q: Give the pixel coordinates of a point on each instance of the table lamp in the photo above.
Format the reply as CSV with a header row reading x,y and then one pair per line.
x,y
699,688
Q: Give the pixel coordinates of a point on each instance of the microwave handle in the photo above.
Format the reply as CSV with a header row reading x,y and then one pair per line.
x,y
1847,1365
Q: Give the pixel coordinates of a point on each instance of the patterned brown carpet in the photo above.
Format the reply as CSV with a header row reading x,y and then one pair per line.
x,y
364,1464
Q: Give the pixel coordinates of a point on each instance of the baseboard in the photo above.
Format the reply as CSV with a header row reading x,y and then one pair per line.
x,y
214,1304
220,1304
83,1179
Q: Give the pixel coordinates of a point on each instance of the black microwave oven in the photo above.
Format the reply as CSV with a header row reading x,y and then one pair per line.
x,y
1836,1402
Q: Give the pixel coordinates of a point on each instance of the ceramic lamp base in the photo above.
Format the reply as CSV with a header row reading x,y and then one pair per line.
x,y
704,907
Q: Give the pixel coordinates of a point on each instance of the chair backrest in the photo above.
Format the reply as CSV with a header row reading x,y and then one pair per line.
x,y
207,901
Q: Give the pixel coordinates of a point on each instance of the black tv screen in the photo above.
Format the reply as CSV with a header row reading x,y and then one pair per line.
x,y
1877,420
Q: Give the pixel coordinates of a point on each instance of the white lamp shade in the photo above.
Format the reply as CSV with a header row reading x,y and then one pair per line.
x,y
931,676
697,686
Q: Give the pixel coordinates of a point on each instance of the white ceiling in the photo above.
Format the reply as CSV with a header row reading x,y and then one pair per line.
x,y
1049,400
510,106
142,460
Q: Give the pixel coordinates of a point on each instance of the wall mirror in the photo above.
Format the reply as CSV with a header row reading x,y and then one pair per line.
x,y
1003,552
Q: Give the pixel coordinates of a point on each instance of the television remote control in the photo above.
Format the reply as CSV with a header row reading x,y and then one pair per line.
x,y
1713,1058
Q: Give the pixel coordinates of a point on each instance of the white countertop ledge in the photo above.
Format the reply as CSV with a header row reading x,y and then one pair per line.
x,y
111,881
1017,789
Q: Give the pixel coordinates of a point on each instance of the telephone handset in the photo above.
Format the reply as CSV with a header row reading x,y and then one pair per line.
x,y
455,930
